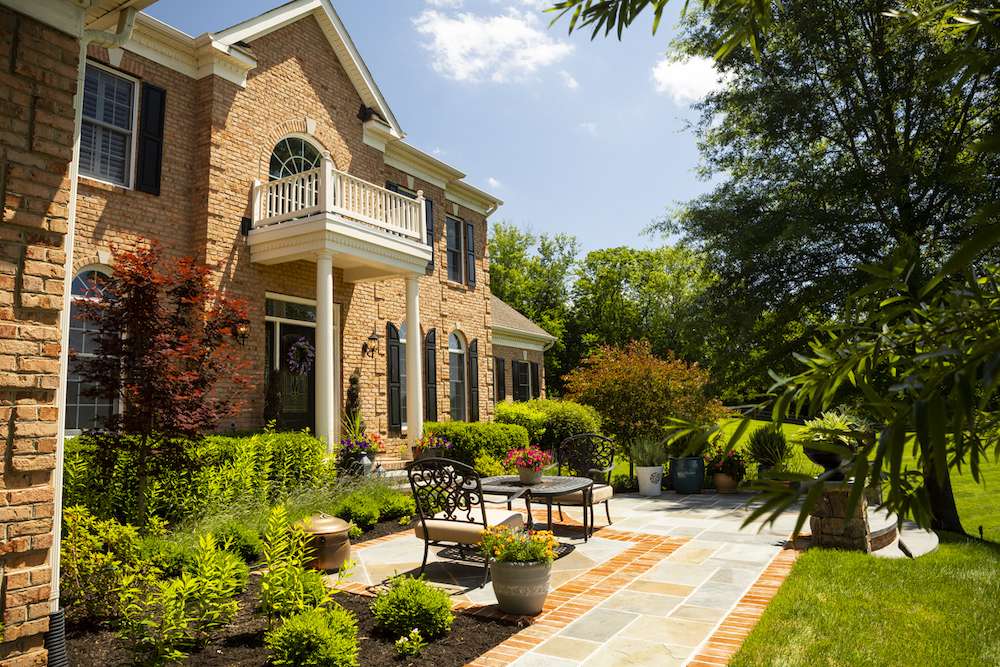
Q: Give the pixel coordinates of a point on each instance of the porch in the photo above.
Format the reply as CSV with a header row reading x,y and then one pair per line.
x,y
338,220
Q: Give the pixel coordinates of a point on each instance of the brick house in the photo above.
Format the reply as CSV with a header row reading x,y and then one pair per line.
x,y
267,151
519,347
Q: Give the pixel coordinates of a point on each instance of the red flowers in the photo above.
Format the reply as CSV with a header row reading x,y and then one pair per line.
x,y
531,458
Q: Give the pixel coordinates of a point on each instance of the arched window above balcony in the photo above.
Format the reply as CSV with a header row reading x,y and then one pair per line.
x,y
293,155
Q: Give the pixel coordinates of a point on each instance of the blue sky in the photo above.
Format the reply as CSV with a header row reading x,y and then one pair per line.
x,y
575,136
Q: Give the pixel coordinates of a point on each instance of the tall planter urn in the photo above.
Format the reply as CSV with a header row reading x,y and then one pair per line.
x,y
650,480
521,588
688,474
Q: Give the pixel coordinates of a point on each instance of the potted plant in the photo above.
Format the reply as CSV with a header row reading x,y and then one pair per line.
x,y
687,467
727,467
831,440
648,456
769,448
529,461
520,567
430,445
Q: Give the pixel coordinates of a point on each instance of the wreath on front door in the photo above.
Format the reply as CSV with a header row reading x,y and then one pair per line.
x,y
301,356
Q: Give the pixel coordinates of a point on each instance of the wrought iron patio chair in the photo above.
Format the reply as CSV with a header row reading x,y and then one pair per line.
x,y
587,455
449,500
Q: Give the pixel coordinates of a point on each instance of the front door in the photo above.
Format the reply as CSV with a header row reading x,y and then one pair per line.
x,y
298,377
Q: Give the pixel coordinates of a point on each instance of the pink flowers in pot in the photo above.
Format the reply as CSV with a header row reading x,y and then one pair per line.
x,y
529,458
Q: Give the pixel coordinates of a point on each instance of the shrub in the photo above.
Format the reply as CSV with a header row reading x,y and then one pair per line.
x,y
623,483
411,644
287,587
638,393
409,603
490,466
470,439
240,539
563,419
316,637
170,556
769,447
523,414
219,472
95,555
162,620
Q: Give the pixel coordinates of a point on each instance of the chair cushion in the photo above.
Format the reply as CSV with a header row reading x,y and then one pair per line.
x,y
602,492
440,529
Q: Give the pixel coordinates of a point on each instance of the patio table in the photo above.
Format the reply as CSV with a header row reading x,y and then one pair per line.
x,y
550,486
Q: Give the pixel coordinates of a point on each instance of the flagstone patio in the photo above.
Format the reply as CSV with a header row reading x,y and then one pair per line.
x,y
652,589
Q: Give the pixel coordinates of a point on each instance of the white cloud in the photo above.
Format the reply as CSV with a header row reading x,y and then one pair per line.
x,y
688,80
469,47
494,183
569,80
437,151
589,127
444,3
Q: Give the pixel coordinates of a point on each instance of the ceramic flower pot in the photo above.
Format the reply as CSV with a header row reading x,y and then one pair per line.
x,y
688,474
650,480
529,476
724,483
521,588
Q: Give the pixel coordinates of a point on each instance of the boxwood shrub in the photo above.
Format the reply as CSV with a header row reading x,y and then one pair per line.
x,y
563,419
523,414
470,439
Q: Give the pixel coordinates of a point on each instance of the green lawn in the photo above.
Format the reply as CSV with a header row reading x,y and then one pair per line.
x,y
838,608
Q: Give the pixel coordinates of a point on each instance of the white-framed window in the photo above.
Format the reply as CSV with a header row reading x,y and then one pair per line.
x,y
107,131
83,411
458,387
455,233
293,155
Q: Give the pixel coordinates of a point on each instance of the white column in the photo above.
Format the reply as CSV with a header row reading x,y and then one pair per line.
x,y
326,411
414,363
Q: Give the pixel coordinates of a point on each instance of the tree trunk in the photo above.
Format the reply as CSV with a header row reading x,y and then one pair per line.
x,y
142,481
944,513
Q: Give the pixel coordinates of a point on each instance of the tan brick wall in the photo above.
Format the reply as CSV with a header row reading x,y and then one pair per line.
x,y
509,354
218,139
38,68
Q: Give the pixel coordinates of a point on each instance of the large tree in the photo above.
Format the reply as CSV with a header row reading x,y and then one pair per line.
x,y
841,143
532,274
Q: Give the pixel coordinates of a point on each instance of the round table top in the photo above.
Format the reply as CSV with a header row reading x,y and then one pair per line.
x,y
551,485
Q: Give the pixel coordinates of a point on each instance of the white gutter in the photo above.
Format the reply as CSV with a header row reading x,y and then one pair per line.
x,y
126,22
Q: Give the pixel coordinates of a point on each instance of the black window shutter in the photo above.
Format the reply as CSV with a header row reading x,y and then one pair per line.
x,y
430,377
474,381
470,254
392,378
149,160
500,378
430,231
536,389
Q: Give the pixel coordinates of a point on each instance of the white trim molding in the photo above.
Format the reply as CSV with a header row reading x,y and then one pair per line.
x,y
521,339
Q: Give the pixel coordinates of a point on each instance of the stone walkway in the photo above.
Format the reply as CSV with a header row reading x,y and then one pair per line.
x,y
661,586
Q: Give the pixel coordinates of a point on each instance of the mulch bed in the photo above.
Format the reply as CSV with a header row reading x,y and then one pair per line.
x,y
242,641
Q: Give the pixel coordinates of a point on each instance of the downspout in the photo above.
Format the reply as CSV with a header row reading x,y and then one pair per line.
x,y
55,638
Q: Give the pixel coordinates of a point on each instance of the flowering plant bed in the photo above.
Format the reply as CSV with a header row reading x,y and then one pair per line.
x,y
529,458
352,450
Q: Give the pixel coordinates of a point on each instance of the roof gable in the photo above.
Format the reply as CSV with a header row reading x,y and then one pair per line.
x,y
506,318
335,32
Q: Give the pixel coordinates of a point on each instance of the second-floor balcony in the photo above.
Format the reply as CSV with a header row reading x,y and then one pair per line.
x,y
371,232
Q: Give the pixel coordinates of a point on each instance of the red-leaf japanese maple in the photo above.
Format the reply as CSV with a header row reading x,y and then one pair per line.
x,y
164,340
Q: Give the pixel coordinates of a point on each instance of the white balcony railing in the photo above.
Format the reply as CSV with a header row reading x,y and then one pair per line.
x,y
327,190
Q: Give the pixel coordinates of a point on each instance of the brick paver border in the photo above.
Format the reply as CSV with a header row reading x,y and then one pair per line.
x,y
723,644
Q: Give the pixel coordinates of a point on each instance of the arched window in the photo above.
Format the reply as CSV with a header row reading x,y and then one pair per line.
x,y
293,155
82,411
457,386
